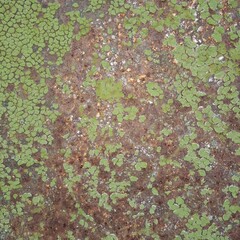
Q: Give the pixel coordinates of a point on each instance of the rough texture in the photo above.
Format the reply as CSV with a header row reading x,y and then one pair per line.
x,y
119,119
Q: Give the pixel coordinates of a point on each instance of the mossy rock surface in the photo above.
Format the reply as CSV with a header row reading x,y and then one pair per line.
x,y
119,119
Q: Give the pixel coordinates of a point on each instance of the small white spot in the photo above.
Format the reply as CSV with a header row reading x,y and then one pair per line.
x,y
210,79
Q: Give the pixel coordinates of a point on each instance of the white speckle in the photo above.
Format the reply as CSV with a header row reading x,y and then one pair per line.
x,y
210,79
195,40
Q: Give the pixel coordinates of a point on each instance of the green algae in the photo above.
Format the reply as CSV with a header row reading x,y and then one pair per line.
x,y
29,32
109,89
